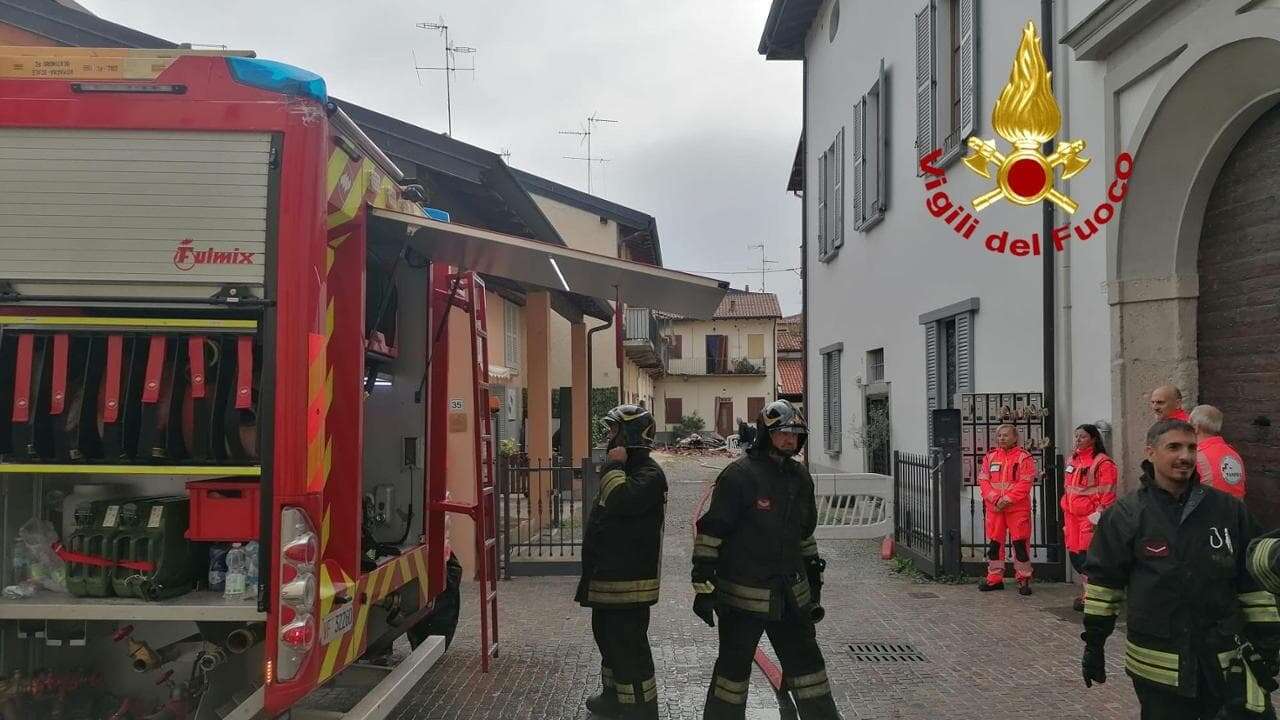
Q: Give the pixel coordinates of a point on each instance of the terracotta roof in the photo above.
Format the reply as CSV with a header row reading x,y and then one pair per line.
x,y
798,319
790,341
790,376
740,304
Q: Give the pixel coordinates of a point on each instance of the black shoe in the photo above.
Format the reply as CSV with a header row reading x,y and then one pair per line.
x,y
985,586
604,704
1078,605
1024,587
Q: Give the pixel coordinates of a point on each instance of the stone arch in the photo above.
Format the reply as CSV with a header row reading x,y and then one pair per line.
x,y
1208,98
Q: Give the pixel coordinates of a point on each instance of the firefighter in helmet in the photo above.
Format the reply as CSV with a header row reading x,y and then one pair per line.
x,y
756,568
620,565
1197,586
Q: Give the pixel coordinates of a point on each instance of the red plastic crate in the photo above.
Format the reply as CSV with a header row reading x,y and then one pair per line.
x,y
223,510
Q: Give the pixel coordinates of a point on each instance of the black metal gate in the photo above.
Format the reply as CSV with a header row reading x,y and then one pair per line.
x,y
917,513
939,522
541,516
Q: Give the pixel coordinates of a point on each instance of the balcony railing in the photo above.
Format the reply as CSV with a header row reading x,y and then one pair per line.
x,y
644,343
717,366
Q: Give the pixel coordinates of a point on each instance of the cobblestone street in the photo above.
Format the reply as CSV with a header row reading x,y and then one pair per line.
x,y
986,657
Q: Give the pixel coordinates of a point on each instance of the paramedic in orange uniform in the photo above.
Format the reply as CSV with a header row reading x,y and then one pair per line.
x,y
1090,488
1005,478
1166,403
1217,462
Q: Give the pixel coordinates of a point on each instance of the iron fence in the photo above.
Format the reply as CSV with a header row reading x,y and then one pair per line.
x,y
541,515
917,513
1046,526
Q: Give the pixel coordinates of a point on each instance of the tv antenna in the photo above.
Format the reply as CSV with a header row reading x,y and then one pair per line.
x,y
586,137
505,153
764,263
451,52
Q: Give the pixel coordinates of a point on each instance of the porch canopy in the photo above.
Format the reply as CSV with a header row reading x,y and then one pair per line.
x,y
549,266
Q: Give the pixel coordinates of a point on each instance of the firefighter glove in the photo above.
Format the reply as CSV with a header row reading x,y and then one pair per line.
x,y
704,607
1094,664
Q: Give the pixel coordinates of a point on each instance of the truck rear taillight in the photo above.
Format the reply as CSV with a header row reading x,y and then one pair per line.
x,y
298,555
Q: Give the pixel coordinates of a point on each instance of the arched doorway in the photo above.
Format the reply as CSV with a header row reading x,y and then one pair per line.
x,y
1238,314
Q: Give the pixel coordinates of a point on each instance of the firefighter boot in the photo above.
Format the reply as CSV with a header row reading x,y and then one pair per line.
x,y
1024,586
641,711
604,704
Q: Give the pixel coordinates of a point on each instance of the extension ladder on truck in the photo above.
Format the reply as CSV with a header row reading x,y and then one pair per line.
x,y
466,291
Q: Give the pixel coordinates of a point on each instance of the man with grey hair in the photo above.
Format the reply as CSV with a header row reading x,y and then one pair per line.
x,y
1217,462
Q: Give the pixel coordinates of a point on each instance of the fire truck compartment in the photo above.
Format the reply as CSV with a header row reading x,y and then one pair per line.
x,y
98,213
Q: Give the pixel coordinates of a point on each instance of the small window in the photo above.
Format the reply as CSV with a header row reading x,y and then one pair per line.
x,y
674,410
875,366
676,343
511,334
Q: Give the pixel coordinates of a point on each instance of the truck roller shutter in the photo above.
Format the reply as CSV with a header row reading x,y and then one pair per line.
x,y
129,213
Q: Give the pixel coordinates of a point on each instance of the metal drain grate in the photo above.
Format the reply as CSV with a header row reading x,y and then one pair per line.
x,y
885,652
922,595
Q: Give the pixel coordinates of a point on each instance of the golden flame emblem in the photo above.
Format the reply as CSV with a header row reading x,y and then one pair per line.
x,y
1027,116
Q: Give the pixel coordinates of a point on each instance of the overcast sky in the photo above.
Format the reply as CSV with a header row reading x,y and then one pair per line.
x,y
708,127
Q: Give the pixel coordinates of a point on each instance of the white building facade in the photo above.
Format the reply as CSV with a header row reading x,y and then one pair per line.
x,y
1179,285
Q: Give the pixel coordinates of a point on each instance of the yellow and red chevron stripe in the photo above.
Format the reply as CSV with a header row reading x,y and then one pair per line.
x,y
371,589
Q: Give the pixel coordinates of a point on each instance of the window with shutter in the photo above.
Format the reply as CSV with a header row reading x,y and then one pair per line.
x,y
837,192
964,352
882,141
968,75
822,206
826,401
837,424
925,95
755,406
859,162
673,410
931,373
511,334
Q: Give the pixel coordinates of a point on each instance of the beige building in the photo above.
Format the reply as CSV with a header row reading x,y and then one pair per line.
x,y
722,369
593,224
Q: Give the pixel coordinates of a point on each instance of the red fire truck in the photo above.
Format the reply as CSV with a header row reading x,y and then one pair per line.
x,y
225,391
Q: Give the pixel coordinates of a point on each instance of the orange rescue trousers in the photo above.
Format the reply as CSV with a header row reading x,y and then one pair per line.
x,y
1016,521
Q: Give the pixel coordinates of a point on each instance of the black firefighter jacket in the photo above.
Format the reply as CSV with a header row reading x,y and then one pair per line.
x,y
622,545
754,538
1178,564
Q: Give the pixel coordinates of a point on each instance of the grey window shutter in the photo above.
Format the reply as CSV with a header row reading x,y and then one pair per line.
x,y
968,69
822,205
837,197
924,81
859,162
826,401
931,372
882,142
837,424
964,353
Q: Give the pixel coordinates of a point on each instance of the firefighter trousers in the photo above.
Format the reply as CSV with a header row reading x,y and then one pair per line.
x,y
626,662
1160,704
803,669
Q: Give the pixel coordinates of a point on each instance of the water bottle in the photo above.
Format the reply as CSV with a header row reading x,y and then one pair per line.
x,y
217,568
251,570
237,566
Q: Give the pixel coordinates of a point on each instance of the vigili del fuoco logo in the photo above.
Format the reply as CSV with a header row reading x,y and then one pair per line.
x,y
1027,116
186,257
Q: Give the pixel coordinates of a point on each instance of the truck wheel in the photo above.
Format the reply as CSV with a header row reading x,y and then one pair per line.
x,y
443,619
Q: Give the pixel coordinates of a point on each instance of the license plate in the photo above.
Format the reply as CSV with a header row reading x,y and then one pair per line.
x,y
337,623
